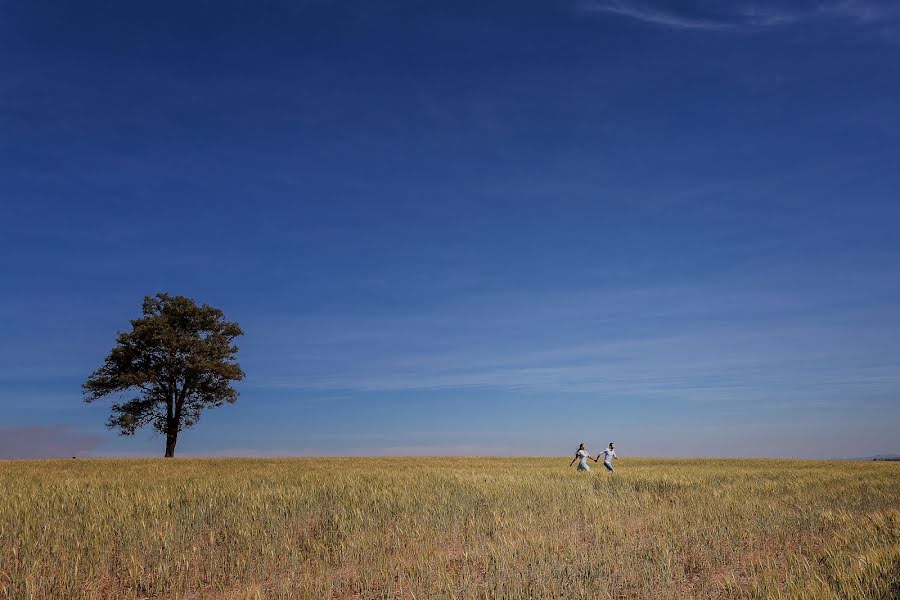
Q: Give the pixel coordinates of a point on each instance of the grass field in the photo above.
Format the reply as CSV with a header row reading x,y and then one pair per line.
x,y
448,528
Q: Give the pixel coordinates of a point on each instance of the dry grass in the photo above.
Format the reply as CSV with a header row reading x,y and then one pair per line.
x,y
448,528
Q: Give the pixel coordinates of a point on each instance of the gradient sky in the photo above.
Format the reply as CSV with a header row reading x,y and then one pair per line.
x,y
462,227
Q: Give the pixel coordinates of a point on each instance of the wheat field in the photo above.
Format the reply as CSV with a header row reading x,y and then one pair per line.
x,y
449,528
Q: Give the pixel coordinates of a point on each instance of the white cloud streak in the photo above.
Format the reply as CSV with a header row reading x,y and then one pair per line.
x,y
695,344
748,17
647,14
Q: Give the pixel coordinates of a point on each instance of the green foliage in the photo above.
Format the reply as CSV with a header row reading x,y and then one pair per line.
x,y
178,359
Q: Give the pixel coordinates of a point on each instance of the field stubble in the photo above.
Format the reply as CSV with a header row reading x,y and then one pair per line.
x,y
449,528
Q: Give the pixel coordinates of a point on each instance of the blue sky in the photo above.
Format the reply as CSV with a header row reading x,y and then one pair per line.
x,y
462,227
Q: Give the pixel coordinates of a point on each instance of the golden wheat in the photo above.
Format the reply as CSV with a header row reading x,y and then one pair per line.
x,y
449,528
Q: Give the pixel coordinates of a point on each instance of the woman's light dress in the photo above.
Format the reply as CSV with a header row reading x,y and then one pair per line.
x,y
582,462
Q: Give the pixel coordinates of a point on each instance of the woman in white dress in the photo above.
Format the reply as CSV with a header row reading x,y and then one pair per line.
x,y
582,456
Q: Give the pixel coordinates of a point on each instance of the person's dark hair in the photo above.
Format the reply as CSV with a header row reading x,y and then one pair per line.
x,y
581,446
611,443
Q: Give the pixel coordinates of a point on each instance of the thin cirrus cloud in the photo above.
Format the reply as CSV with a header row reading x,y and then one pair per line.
x,y
746,17
736,346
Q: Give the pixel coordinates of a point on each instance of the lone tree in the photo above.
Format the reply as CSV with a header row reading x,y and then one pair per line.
x,y
178,358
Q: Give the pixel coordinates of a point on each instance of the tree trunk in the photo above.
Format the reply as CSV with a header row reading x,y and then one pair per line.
x,y
171,439
171,425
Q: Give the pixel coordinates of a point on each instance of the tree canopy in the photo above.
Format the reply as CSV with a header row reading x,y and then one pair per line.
x,y
178,359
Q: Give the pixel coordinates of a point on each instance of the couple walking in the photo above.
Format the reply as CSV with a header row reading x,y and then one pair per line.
x,y
582,456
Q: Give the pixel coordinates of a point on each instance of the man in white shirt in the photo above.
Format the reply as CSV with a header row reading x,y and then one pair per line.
x,y
608,455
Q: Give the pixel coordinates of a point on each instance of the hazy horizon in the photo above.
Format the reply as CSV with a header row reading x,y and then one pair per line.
x,y
433,453
454,228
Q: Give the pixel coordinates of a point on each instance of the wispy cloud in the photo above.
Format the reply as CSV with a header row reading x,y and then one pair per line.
x,y
746,16
861,11
746,343
657,16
